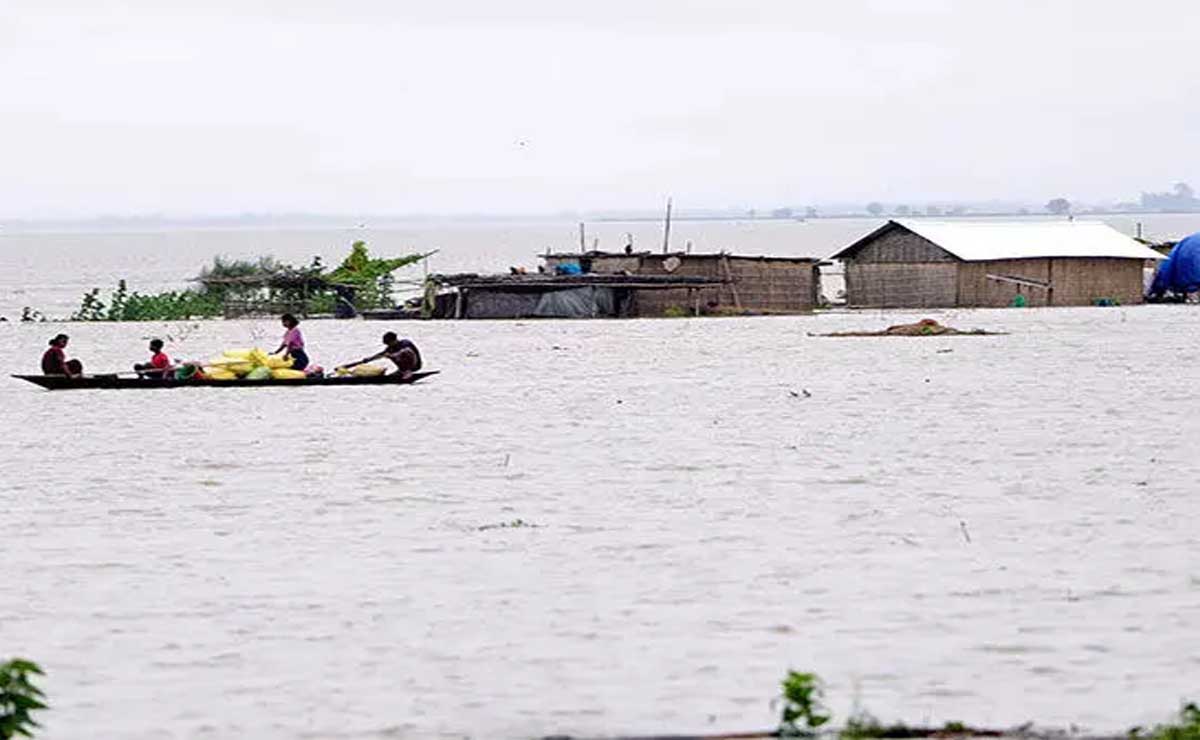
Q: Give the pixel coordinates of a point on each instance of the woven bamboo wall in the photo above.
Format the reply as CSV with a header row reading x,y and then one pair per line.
x,y
1081,282
975,289
500,304
769,286
903,246
894,285
1076,281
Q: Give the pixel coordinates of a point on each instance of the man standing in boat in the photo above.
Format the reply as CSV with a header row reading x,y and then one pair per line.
x,y
55,362
402,352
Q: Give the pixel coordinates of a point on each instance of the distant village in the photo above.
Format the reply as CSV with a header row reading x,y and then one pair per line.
x,y
903,264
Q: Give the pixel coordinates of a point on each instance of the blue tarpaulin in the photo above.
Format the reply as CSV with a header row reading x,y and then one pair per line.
x,y
1180,272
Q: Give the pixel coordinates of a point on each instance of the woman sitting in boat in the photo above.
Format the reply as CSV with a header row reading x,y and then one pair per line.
x,y
55,362
159,365
402,352
293,342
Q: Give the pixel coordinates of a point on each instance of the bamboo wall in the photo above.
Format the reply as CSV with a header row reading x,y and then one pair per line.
x,y
894,285
975,289
899,245
900,269
1081,282
500,304
758,285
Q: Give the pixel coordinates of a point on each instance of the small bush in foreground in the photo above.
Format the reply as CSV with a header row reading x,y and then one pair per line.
x,y
803,708
1187,727
19,698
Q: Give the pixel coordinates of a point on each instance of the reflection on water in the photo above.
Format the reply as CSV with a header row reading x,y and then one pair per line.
x,y
997,533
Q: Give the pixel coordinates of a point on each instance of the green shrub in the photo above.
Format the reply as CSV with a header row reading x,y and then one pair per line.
x,y
19,698
803,709
1187,727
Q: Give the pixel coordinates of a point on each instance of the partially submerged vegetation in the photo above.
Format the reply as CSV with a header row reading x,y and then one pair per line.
x,y
258,286
803,714
1185,727
19,698
802,703
922,328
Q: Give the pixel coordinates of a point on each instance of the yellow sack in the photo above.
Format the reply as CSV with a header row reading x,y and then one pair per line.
x,y
368,371
216,373
342,372
276,362
258,357
232,364
238,354
281,373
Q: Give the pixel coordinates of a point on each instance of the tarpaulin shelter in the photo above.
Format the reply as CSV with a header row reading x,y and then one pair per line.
x,y
1179,273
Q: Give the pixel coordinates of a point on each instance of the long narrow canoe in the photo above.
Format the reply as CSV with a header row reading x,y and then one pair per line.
x,y
63,383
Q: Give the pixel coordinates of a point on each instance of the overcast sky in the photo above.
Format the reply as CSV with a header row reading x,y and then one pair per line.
x,y
396,106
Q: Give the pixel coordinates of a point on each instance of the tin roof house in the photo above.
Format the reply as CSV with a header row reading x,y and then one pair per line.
x,y
924,264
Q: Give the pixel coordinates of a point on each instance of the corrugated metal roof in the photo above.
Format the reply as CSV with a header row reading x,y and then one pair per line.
x,y
978,241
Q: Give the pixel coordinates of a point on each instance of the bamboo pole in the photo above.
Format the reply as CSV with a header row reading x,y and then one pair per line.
x,y
667,228
737,301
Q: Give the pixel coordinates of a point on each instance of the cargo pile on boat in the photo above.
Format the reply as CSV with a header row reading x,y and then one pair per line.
x,y
254,364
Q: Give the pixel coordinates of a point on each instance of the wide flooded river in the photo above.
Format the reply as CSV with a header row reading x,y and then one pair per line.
x,y
991,529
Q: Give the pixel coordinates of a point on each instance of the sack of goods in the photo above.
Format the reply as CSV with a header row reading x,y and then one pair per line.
x,y
368,371
243,363
259,373
284,373
219,373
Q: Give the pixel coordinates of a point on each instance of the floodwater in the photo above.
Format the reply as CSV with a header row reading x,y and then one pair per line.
x,y
992,529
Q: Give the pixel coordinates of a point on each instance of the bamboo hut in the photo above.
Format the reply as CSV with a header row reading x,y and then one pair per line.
x,y
926,264
738,284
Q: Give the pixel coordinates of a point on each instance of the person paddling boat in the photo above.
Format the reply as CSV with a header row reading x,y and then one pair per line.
x,y
402,352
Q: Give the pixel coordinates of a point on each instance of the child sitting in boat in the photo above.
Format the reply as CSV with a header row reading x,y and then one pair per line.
x,y
159,365
402,352
293,342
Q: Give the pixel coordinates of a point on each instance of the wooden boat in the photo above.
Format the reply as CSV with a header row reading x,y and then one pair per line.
x,y
114,382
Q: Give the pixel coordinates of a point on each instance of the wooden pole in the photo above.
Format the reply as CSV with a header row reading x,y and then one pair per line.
x,y
667,229
582,238
737,301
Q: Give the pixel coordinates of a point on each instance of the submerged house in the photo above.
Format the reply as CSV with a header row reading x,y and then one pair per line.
x,y
925,264
737,284
630,284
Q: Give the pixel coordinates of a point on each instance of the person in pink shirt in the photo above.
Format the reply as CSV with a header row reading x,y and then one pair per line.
x,y
293,342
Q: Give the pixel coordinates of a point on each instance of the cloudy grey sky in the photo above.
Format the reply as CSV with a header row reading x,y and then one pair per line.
x,y
395,106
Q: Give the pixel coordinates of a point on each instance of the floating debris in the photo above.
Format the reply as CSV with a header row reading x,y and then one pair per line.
x,y
922,328
514,524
